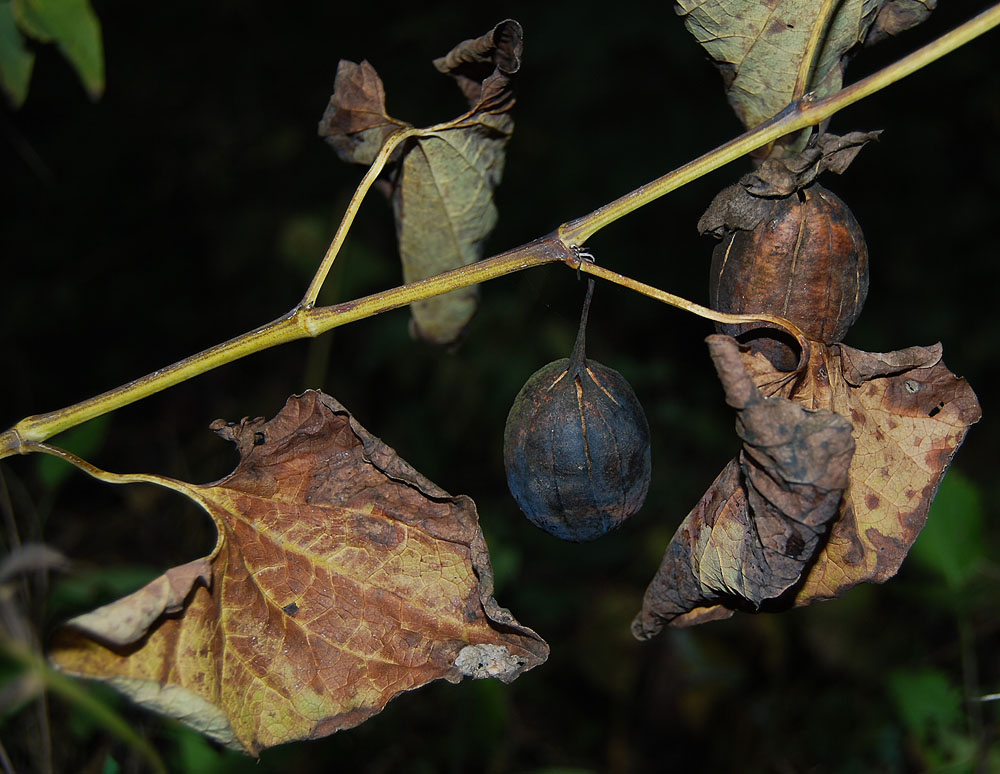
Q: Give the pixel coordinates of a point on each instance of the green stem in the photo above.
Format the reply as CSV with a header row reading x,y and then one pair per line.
x,y
799,115
545,250
690,306
391,143
300,323
306,320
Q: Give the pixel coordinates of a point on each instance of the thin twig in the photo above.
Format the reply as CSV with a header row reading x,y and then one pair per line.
x,y
690,306
389,146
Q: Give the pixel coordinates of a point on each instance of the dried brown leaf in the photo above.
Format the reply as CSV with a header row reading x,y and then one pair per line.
x,y
743,205
759,525
128,620
442,182
860,367
342,577
481,65
355,122
909,415
897,16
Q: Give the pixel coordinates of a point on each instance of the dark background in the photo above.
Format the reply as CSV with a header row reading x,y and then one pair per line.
x,y
194,200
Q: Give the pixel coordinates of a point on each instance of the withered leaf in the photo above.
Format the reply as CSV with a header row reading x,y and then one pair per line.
x,y
442,182
897,16
760,46
355,122
909,415
341,578
744,204
761,522
784,176
481,65
128,620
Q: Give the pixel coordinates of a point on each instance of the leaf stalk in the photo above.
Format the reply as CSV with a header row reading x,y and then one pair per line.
x,y
392,142
690,306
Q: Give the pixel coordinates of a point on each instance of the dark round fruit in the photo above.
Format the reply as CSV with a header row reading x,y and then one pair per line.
x,y
806,261
576,448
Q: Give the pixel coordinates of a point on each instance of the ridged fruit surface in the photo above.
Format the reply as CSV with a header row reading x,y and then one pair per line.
x,y
576,449
807,261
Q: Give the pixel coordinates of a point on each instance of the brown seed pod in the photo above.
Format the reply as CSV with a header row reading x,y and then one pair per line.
x,y
806,261
576,446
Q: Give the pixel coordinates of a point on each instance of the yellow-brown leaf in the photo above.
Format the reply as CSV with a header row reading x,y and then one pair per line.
x,y
754,534
341,578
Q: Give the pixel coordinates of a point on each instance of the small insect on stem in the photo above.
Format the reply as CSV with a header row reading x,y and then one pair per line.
x,y
582,254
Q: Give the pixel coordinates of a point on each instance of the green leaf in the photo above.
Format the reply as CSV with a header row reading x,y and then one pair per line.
x,y
930,706
759,47
16,61
926,701
73,26
443,181
951,543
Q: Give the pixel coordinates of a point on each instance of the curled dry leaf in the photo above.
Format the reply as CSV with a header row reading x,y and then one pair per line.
x,y
897,16
129,619
759,47
341,578
355,123
760,523
909,415
442,182
481,66
744,204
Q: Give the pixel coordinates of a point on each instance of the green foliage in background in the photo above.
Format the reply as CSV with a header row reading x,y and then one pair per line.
x,y
70,25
